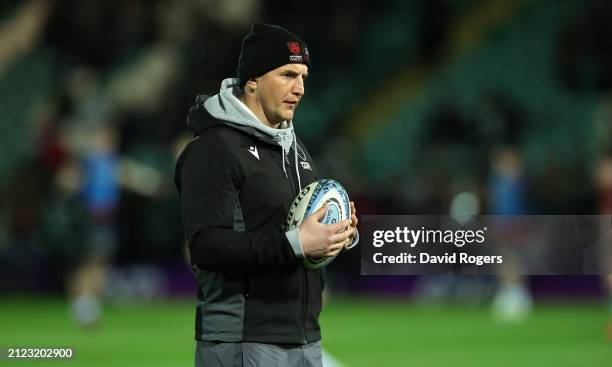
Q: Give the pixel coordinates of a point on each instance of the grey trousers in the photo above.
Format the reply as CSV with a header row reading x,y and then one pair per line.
x,y
212,354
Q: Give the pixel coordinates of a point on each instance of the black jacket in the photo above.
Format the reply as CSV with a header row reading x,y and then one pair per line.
x,y
235,198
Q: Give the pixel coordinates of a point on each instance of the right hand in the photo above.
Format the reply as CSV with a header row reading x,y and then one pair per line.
x,y
323,240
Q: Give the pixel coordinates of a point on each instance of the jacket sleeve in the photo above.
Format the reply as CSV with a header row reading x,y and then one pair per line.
x,y
208,178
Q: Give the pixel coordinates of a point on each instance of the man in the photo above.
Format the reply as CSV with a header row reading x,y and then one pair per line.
x,y
257,304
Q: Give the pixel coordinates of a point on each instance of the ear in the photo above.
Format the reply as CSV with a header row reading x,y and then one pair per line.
x,y
250,85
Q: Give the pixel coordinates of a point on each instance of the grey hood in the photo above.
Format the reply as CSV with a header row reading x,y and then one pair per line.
x,y
228,108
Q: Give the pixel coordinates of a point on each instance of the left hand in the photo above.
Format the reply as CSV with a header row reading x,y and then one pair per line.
x,y
354,222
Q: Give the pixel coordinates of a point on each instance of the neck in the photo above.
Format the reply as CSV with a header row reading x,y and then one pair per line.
x,y
253,104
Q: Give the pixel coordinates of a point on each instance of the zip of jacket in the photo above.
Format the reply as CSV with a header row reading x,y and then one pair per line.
x,y
292,178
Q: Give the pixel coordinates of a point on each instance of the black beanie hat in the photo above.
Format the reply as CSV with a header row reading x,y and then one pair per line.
x,y
267,47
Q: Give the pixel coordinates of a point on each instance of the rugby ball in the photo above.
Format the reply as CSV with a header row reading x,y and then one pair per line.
x,y
309,200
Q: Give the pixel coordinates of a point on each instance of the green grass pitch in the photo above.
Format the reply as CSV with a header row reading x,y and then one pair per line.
x,y
358,332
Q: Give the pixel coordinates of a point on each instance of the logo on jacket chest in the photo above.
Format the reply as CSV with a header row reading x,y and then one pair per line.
x,y
303,159
253,150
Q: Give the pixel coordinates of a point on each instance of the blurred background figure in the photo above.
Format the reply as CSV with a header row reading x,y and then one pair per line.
x,y
603,183
100,193
508,197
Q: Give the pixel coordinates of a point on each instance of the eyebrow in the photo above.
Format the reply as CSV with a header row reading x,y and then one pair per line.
x,y
294,73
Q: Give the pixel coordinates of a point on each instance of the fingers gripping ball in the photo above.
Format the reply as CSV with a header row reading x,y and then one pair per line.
x,y
309,200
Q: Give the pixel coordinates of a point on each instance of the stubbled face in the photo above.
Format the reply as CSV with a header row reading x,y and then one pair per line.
x,y
278,93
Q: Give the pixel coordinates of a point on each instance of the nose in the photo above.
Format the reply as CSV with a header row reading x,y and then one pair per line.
x,y
298,86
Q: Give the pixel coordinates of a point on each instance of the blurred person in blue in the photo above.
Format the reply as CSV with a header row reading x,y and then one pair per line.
x,y
257,304
99,169
508,196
